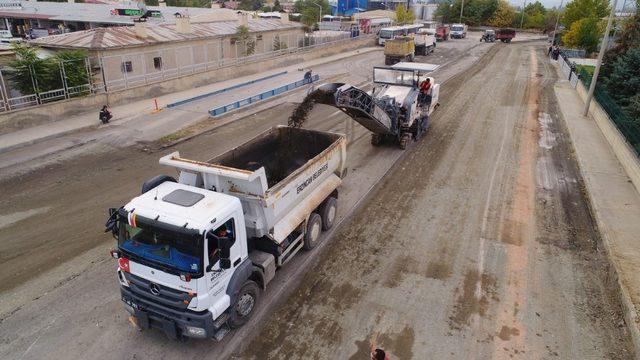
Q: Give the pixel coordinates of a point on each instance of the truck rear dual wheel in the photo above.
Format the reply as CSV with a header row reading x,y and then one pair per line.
x,y
328,213
245,303
314,228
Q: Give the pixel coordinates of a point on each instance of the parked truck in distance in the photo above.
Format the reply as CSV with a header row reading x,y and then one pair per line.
x,y
195,253
505,35
401,48
458,31
425,41
442,33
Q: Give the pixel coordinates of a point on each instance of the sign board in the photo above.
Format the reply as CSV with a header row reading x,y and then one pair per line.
x,y
16,5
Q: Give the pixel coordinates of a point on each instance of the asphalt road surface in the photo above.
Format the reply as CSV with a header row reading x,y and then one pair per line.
x,y
478,243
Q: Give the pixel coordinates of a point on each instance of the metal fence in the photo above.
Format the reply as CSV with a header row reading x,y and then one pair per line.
x,y
57,80
118,72
629,127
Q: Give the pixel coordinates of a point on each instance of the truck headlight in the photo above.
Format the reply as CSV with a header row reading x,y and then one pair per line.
x,y
193,331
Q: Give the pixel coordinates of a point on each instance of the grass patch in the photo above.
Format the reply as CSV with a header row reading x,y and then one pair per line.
x,y
167,139
587,68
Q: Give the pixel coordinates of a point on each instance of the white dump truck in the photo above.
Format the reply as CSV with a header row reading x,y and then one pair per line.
x,y
425,40
195,253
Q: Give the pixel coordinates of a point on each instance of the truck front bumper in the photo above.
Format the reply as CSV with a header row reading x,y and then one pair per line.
x,y
175,323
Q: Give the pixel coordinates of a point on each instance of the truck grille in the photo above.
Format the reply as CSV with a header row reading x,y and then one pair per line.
x,y
157,293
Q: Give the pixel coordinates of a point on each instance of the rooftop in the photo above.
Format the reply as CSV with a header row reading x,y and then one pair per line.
x,y
125,36
93,12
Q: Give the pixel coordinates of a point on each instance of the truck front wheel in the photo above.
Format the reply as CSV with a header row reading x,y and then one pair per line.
x,y
328,213
314,228
245,303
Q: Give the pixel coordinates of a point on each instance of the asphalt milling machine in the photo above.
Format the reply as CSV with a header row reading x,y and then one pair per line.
x,y
394,110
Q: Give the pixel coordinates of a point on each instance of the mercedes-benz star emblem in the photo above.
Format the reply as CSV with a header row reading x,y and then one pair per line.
x,y
155,290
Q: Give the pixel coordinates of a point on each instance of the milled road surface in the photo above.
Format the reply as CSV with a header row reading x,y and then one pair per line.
x,y
409,266
60,296
479,244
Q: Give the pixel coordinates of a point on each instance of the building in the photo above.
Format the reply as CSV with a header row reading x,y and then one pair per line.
x,y
23,18
148,51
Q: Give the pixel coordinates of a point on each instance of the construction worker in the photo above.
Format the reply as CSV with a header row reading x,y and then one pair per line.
x,y
425,87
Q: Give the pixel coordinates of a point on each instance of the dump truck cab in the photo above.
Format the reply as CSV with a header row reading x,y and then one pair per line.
x,y
178,250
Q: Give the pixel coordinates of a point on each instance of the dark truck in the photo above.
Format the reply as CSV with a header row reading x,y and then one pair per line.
x,y
505,35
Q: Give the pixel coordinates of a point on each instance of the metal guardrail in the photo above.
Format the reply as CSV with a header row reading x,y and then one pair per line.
x,y
182,102
262,96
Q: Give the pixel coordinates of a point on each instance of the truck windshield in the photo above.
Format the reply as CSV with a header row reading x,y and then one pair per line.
x,y
394,76
170,251
457,28
386,34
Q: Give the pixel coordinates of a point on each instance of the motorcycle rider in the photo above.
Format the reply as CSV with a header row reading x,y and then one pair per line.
x,y
105,114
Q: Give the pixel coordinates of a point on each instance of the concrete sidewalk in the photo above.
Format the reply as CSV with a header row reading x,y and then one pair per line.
x,y
614,200
129,112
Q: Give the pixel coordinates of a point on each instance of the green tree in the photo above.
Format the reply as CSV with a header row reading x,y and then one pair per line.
x,y
277,6
250,5
30,73
475,12
245,41
624,81
444,12
503,16
584,34
404,16
74,66
580,9
535,16
628,37
311,11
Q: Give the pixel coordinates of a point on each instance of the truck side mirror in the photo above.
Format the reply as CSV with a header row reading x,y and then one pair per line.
x,y
112,223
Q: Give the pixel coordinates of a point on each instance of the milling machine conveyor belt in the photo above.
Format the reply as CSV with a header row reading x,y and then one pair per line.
x,y
379,116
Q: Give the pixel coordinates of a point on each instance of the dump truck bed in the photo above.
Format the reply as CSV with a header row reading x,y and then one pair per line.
x,y
280,176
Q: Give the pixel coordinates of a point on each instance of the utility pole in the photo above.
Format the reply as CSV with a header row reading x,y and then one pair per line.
x,y
603,48
524,3
461,8
553,42
319,17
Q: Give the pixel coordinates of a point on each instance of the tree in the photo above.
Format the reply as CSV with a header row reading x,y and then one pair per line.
x,y
503,16
444,12
244,38
277,6
32,74
476,12
310,10
404,16
584,34
628,37
535,16
624,81
74,66
580,9
250,5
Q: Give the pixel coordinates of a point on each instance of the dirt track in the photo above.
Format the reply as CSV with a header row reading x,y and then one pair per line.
x,y
479,244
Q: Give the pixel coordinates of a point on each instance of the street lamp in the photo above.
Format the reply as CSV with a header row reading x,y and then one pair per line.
x,y
461,8
524,3
319,17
